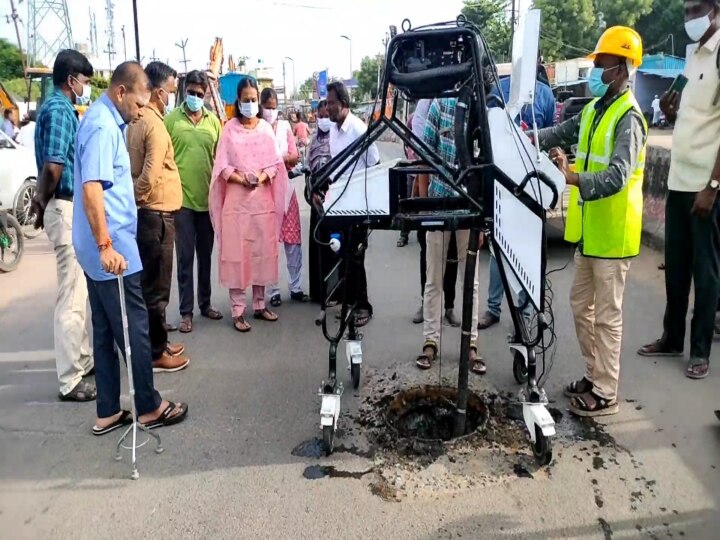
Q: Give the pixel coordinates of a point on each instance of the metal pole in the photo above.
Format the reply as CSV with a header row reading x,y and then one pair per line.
x,y
15,17
122,29
513,20
137,31
285,87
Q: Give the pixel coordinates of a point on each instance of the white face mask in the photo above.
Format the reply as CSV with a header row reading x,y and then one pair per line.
x,y
324,124
170,105
248,110
697,28
84,98
270,115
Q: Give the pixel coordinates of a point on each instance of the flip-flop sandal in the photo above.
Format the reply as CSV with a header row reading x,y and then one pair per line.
x,y
241,325
186,325
425,360
169,327
580,406
167,418
697,369
478,363
578,388
362,317
124,420
657,349
212,314
265,315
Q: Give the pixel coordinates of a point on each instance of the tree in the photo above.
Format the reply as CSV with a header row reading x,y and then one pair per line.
x,y
491,16
571,28
307,88
11,66
665,19
367,78
568,29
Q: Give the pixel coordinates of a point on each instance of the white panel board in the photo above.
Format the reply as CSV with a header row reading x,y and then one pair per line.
x,y
519,233
352,201
524,61
515,155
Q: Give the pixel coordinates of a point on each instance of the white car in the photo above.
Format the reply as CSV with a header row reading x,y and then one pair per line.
x,y
18,176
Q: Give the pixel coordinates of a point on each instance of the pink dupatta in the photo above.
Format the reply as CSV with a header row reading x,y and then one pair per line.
x,y
247,222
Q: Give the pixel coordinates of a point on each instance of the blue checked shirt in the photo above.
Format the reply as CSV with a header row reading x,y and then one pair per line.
x,y
57,125
439,135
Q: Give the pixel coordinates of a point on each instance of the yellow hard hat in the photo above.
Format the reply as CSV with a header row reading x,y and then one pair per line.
x,y
620,41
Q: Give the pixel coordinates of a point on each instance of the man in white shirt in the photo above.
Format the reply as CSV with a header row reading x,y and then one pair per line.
x,y
656,111
692,210
346,129
26,137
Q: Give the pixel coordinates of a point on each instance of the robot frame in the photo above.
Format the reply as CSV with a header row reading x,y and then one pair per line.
x,y
445,60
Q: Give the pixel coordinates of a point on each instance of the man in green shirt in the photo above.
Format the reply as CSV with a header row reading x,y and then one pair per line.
x,y
194,132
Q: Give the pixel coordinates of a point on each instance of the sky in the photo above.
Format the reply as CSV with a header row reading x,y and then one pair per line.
x,y
308,31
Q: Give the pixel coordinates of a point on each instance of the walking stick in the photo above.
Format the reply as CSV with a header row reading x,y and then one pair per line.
x,y
131,384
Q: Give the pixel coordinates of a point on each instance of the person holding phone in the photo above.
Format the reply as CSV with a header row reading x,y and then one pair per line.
x,y
692,212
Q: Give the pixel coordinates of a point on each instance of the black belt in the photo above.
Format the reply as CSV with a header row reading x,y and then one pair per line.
x,y
160,213
62,197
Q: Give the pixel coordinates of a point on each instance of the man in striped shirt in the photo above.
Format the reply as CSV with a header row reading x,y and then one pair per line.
x,y
439,136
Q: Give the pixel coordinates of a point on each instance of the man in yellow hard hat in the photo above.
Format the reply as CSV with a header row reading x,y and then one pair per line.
x,y
605,213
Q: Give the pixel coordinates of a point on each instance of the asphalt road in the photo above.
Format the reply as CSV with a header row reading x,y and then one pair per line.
x,y
228,471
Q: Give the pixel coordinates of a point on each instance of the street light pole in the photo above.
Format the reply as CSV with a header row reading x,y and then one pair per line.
x,y
137,31
284,87
293,80
351,71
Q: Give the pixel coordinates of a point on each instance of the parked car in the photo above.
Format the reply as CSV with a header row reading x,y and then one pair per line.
x,y
572,107
18,177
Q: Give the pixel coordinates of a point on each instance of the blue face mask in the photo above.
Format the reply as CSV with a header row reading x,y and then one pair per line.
x,y
194,103
597,87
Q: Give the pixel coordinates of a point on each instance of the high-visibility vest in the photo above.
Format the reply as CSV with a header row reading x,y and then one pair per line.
x,y
608,228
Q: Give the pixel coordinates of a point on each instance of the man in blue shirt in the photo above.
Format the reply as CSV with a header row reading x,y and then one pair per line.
x,y
545,117
104,232
55,130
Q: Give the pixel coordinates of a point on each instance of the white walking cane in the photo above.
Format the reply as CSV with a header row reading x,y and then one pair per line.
x,y
131,384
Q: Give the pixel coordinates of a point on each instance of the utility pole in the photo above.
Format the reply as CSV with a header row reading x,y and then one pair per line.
x,y
137,31
285,87
513,21
122,29
15,18
154,58
182,46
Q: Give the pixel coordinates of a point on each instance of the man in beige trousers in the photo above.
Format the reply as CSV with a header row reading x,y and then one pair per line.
x,y
57,125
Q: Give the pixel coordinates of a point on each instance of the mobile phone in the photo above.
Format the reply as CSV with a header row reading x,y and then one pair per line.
x,y
679,83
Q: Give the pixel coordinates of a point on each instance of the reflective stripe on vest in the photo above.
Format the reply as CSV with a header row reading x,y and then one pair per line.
x,y
608,228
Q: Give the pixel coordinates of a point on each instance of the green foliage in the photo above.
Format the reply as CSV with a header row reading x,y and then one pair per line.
x,y
307,88
666,18
367,79
571,28
492,19
11,65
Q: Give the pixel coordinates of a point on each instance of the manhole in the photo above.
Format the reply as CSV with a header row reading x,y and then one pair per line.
x,y
428,414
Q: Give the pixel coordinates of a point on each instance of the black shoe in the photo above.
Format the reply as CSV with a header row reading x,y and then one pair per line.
x,y
275,300
299,297
487,320
83,391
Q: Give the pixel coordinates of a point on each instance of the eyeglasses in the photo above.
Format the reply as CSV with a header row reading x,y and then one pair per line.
x,y
196,94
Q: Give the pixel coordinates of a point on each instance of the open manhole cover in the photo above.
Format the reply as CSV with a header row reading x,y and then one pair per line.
x,y
428,414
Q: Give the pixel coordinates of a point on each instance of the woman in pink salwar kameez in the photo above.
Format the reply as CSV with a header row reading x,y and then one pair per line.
x,y
247,203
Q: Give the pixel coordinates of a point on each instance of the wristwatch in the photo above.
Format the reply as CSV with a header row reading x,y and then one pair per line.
x,y
714,184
